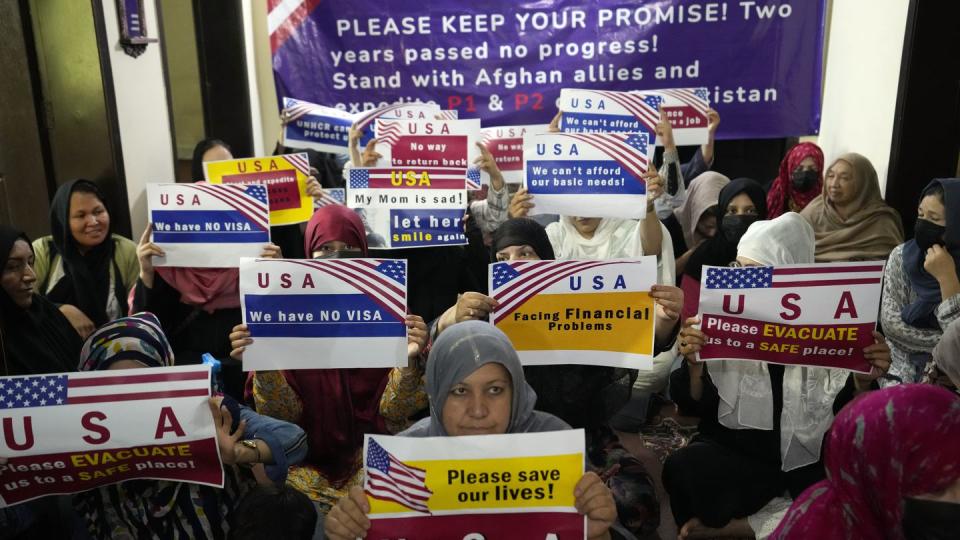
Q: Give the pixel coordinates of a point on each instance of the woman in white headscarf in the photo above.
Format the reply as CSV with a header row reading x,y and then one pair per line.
x,y
761,424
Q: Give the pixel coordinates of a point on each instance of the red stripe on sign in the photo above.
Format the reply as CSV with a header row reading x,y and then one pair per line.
x,y
291,24
136,379
826,282
822,270
193,392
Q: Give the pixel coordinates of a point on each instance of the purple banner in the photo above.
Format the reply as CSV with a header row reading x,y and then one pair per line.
x,y
505,62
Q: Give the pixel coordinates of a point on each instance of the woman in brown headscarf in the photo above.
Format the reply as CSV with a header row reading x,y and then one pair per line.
x,y
850,219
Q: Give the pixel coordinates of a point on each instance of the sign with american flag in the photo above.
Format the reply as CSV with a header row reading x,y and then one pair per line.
x,y
285,178
506,145
432,143
308,125
577,312
812,315
588,174
411,206
208,225
606,111
499,486
366,121
318,314
330,196
71,432
686,109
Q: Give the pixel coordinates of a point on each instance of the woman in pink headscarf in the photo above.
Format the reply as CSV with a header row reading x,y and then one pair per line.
x,y
800,180
893,470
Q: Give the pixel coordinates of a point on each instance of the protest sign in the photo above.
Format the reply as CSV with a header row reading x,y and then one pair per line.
x,y
284,176
366,121
577,312
506,146
207,225
810,315
432,143
71,432
588,174
504,62
330,196
605,111
686,109
411,206
474,487
324,129
317,314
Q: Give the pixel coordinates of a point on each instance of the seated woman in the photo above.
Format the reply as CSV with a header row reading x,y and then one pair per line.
x,y
151,509
850,219
761,425
921,287
82,267
740,203
799,181
583,396
334,406
474,361
698,215
36,337
892,470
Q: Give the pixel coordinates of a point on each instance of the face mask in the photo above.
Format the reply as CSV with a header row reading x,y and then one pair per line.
x,y
734,227
930,520
803,180
927,234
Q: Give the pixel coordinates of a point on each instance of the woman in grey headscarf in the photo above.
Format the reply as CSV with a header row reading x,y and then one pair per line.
x,y
945,368
476,386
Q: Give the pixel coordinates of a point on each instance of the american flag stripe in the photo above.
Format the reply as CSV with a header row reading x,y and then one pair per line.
x,y
137,379
247,206
367,119
378,289
790,271
411,486
687,97
536,281
299,162
411,491
448,115
389,132
819,276
445,178
635,106
137,396
284,16
613,145
298,109
382,490
825,282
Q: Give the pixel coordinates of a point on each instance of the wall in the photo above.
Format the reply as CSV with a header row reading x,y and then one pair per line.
x,y
862,79
184,74
263,61
142,113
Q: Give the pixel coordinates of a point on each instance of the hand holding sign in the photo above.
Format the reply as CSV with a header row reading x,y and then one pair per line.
x,y
520,204
146,251
593,499
348,519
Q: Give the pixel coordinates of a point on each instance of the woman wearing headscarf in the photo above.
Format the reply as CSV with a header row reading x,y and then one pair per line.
x,y
583,396
35,337
698,214
921,289
891,471
739,204
475,361
334,406
944,370
82,267
761,425
799,181
850,218
196,306
157,509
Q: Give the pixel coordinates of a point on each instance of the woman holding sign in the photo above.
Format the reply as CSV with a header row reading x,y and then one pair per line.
x,y
165,509
921,288
476,387
82,267
761,424
334,406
